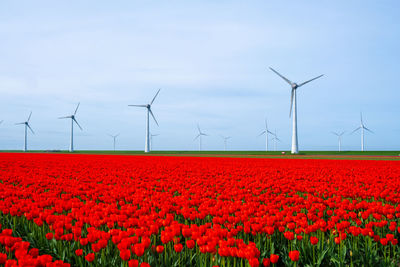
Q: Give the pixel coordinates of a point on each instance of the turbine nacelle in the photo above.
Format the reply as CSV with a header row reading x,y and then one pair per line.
x,y
294,86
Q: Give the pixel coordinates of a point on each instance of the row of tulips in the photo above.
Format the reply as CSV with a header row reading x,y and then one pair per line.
x,y
181,211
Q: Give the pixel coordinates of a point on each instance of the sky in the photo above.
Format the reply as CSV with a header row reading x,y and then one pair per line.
x,y
210,59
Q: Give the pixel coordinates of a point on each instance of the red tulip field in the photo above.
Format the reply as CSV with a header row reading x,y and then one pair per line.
x,y
107,210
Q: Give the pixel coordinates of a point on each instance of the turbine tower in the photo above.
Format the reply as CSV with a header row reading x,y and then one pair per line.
x,y
148,107
151,140
199,136
293,107
73,119
26,123
114,138
275,139
362,127
226,138
339,135
266,132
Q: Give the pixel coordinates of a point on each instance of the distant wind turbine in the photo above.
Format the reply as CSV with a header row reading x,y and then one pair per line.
x,y
275,139
148,107
362,127
226,138
151,140
199,136
26,123
114,138
1,121
339,135
293,106
266,132
73,119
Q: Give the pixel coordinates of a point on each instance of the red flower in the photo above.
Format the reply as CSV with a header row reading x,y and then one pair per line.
x,y
133,263
125,254
3,258
49,236
289,235
190,243
314,240
178,247
274,258
294,255
89,257
159,249
79,252
266,262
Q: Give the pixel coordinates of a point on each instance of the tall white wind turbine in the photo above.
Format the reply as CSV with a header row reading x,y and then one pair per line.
x,y
293,107
362,127
148,107
199,136
114,137
26,123
339,135
275,139
226,138
151,140
73,120
266,132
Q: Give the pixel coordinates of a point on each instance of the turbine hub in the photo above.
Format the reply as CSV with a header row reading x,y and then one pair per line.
x,y
294,86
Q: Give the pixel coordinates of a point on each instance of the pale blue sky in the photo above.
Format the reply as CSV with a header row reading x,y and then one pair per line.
x,y
210,58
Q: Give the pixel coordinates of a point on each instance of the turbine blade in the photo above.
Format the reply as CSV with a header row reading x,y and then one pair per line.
x,y
20,123
196,137
266,124
155,96
66,117
280,75
263,132
30,128
117,135
368,129
143,106
291,103
342,133
270,132
76,108
77,123
153,116
335,133
29,116
310,80
355,130
361,120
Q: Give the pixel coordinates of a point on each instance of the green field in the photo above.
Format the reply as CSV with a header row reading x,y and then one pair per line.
x,y
371,155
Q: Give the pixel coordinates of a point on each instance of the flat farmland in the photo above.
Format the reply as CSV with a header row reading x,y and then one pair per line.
x,y
118,210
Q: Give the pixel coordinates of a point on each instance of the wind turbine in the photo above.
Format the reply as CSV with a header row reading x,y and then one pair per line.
x,y
266,132
293,107
226,138
151,140
275,139
72,117
339,135
26,123
199,136
114,137
148,107
362,127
